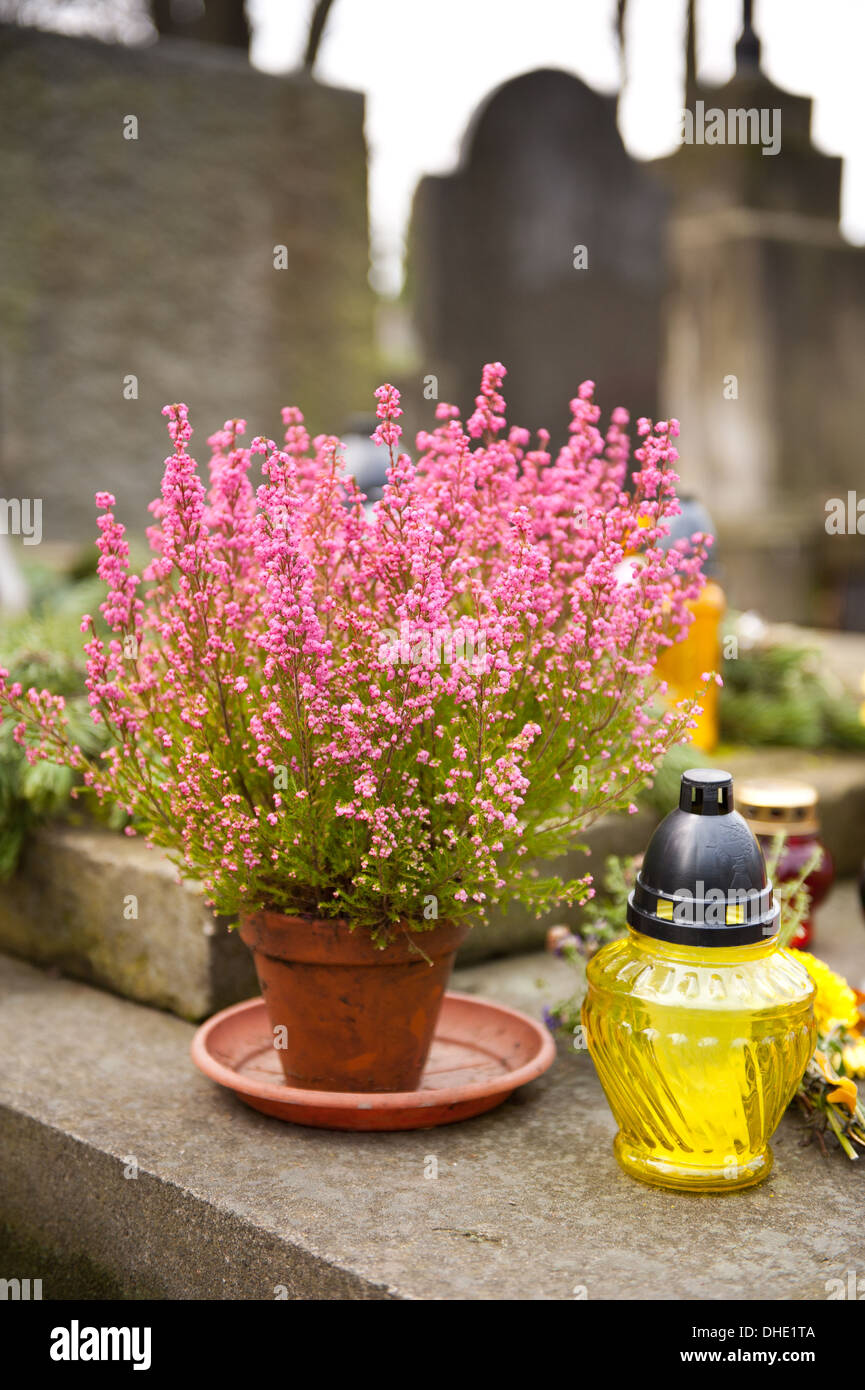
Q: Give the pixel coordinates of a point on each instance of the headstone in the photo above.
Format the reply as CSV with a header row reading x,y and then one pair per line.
x,y
544,251
175,226
765,354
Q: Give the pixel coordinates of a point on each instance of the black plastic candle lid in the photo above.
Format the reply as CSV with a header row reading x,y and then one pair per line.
x,y
703,878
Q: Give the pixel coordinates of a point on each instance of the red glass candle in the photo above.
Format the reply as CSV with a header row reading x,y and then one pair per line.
x,y
781,807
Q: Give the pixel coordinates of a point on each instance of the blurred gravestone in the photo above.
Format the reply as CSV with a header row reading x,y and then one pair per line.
x,y
764,355
492,272
152,198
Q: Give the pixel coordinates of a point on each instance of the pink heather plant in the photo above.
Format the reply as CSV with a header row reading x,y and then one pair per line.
x,y
277,717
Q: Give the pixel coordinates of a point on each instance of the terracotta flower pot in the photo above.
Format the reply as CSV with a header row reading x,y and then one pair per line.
x,y
346,1015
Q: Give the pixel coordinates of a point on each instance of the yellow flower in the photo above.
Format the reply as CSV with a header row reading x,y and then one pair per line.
x,y
835,1003
854,1057
845,1093
824,1067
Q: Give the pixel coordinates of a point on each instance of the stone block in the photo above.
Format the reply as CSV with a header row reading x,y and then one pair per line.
x,y
71,906
66,906
153,258
528,1202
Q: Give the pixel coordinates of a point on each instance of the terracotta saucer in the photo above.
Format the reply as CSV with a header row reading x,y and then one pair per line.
x,y
480,1054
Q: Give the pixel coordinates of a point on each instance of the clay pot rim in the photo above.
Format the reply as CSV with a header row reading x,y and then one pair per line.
x,y
509,1081
310,920
334,941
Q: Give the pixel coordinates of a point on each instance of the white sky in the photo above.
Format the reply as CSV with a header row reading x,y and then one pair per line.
x,y
426,64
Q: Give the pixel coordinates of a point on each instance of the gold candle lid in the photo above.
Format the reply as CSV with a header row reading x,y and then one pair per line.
x,y
776,806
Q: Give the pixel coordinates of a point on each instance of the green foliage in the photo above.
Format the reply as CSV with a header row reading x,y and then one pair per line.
x,y
793,897
44,648
602,919
663,793
778,694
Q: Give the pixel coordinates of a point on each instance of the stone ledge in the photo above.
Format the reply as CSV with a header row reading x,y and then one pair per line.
x,y
65,908
230,1204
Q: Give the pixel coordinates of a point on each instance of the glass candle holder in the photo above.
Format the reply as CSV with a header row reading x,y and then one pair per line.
x,y
699,1024
784,807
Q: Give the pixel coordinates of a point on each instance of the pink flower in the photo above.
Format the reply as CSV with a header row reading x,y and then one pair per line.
x,y
328,709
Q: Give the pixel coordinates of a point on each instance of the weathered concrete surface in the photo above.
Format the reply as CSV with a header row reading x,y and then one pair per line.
x,y
71,906
528,1202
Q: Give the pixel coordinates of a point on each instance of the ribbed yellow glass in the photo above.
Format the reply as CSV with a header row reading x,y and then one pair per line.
x,y
699,1051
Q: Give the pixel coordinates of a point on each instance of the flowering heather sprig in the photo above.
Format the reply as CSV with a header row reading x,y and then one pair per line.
x,y
265,731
